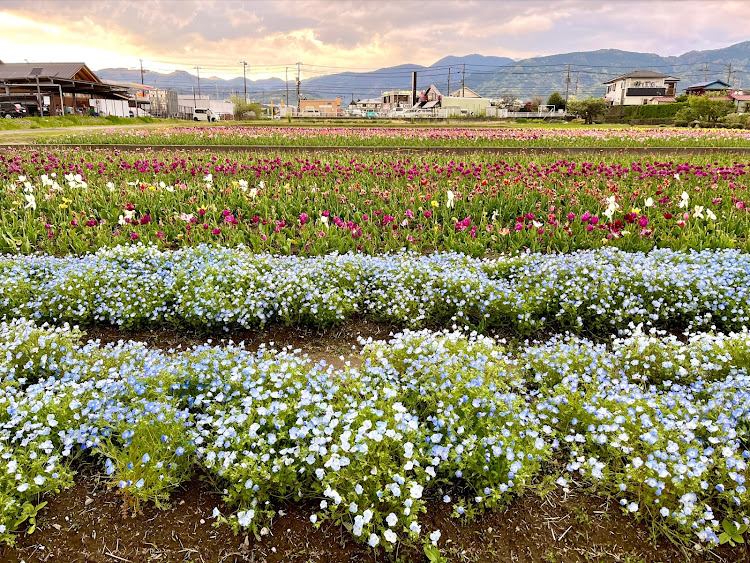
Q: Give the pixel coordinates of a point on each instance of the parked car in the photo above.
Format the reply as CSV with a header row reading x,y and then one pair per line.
x,y
397,112
200,114
11,110
355,112
371,114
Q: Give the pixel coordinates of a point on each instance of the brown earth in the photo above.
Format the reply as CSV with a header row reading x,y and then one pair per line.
x,y
86,524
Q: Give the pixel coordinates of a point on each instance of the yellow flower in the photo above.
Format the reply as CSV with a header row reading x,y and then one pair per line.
x,y
435,203
636,210
63,206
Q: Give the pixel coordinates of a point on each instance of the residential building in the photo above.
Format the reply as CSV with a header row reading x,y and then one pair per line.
x,y
639,87
396,98
464,92
372,104
323,107
741,101
710,87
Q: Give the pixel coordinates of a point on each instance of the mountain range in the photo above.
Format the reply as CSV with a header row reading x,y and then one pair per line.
x,y
490,76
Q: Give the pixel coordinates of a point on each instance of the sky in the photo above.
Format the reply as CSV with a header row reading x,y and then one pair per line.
x,y
336,35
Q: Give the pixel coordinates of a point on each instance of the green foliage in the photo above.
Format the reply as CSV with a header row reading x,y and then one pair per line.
x,y
589,109
732,533
709,109
556,99
246,110
737,120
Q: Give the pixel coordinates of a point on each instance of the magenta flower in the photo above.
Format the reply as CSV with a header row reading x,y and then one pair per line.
x,y
571,216
134,236
303,218
216,231
586,216
643,221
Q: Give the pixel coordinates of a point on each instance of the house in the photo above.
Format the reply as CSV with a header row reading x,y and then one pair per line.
x,y
710,87
372,104
657,100
639,87
328,108
429,99
396,98
60,87
741,101
464,92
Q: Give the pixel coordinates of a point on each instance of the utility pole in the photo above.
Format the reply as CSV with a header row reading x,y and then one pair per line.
x,y
577,76
463,81
286,79
567,87
198,70
143,91
299,106
449,81
244,76
194,102
729,74
39,98
705,73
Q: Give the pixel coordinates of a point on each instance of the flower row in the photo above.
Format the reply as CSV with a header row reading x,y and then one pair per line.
x,y
589,291
416,136
303,207
657,424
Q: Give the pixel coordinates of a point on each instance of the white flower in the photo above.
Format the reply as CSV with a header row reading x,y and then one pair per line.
x,y
390,536
710,214
416,490
698,212
684,198
649,202
314,518
449,201
30,201
391,519
373,540
253,192
435,536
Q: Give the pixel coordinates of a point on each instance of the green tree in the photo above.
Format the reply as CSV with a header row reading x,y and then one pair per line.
x,y
556,100
588,109
709,109
245,110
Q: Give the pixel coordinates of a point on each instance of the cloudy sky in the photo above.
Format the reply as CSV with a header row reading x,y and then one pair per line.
x,y
333,35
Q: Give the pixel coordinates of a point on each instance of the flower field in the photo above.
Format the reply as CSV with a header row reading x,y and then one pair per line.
x,y
657,423
64,202
419,137
557,326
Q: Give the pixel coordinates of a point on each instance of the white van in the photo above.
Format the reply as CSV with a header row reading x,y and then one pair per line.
x,y
203,115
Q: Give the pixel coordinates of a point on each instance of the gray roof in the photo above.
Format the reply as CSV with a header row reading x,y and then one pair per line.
x,y
640,74
11,71
709,83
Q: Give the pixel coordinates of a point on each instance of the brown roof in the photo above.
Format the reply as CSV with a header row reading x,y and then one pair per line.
x,y
741,97
14,71
663,99
641,74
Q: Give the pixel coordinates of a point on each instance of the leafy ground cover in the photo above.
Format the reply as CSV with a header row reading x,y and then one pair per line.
x,y
588,292
71,121
421,136
656,424
66,201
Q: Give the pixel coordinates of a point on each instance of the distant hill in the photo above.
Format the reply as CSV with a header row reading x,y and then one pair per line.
x,y
488,75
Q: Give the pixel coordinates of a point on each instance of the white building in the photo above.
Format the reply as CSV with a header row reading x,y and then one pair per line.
x,y
187,103
638,87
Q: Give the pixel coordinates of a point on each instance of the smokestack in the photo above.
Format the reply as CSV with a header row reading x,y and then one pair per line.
x,y
413,88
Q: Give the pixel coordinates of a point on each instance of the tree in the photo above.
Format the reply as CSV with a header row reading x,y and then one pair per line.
x,y
588,109
708,109
556,100
245,110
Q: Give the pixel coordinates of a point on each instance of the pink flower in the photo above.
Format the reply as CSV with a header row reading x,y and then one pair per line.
x,y
586,216
519,226
571,216
303,218
205,226
643,221
134,236
216,231
146,219
74,223
473,233
201,211
410,213
428,214
159,234
226,212
589,228
365,217
594,220
326,214
740,205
